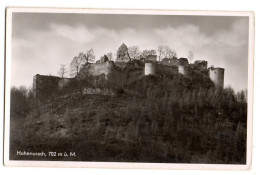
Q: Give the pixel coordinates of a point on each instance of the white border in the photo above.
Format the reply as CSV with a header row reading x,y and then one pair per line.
x,y
77,164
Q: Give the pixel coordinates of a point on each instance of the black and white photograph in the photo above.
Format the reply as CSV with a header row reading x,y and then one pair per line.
x,y
125,86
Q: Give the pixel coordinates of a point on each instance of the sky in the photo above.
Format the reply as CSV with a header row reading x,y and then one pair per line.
x,y
41,42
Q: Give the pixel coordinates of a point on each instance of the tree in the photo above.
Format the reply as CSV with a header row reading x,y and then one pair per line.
x,y
82,57
160,52
165,52
89,56
19,101
110,56
76,64
190,56
242,96
103,59
62,71
169,53
145,53
134,52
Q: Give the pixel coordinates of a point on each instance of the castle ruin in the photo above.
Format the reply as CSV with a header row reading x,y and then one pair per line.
x,y
44,85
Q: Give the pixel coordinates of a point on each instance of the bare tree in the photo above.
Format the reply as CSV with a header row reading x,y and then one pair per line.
x,y
75,65
242,96
160,52
82,57
169,53
145,53
89,56
165,52
19,101
134,52
190,56
62,71
110,56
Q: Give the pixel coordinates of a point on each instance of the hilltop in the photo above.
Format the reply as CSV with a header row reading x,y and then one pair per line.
x,y
163,117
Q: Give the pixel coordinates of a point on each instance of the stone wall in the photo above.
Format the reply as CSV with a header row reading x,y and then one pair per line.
x,y
169,61
45,86
120,64
151,58
183,62
168,69
97,91
175,61
64,82
201,64
96,69
102,68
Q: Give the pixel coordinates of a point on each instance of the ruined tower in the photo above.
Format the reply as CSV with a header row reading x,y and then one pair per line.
x,y
182,64
149,68
122,54
183,61
217,76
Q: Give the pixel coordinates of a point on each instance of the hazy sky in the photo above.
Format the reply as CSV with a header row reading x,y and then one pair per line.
x,y
43,41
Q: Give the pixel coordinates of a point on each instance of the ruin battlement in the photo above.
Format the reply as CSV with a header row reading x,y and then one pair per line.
x,y
45,86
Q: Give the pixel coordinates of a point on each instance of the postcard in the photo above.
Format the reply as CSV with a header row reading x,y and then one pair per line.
x,y
110,88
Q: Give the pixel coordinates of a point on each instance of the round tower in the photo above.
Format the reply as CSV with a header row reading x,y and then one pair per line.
x,y
149,69
183,70
109,66
217,76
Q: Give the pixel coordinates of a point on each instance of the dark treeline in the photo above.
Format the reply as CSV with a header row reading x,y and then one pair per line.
x,y
22,99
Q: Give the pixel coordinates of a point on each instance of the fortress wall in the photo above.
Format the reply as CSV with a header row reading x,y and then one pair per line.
x,y
99,91
149,69
170,61
45,86
184,70
183,62
217,76
201,64
165,68
64,82
151,58
120,64
102,68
